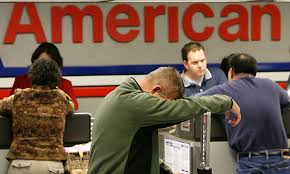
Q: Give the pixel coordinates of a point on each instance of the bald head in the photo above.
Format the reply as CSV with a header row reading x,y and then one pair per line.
x,y
243,63
169,81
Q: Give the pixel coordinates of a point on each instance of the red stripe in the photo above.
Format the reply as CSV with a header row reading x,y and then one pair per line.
x,y
96,91
282,84
99,91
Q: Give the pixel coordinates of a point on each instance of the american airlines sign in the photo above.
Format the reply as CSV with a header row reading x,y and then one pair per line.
x,y
127,18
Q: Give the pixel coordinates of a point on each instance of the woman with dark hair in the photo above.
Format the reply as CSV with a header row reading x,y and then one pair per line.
x,y
46,50
38,122
224,66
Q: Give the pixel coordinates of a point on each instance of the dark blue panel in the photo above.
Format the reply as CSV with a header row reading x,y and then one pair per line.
x,y
128,69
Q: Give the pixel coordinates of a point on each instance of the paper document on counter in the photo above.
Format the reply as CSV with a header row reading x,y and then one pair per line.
x,y
177,156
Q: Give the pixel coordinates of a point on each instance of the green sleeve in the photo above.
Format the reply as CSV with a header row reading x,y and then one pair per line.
x,y
156,110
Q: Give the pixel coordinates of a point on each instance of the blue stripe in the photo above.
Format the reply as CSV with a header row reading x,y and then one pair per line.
x,y
128,69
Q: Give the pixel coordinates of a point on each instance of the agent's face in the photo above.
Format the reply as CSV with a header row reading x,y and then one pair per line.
x,y
195,65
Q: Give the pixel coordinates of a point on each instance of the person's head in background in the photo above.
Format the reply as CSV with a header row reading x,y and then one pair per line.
x,y
164,82
44,73
242,65
47,50
224,66
194,60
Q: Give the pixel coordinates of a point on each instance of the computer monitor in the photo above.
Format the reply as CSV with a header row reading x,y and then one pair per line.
x,y
77,130
191,129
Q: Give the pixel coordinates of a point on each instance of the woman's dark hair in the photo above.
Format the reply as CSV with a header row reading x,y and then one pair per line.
x,y
45,72
49,49
224,66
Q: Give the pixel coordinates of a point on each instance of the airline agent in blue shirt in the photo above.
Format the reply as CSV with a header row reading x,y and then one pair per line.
x,y
196,76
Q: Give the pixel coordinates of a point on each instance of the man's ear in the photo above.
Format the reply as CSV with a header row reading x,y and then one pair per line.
x,y
185,64
231,74
156,88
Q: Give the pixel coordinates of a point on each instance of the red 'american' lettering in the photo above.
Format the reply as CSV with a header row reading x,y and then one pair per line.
x,y
111,23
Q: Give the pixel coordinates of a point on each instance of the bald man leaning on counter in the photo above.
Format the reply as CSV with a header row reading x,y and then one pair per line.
x,y
156,99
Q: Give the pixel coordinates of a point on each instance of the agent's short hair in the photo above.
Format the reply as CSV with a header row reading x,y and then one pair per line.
x,y
45,72
51,50
243,63
169,78
191,46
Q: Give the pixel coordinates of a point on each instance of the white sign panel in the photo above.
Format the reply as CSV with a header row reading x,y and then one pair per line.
x,y
177,156
106,34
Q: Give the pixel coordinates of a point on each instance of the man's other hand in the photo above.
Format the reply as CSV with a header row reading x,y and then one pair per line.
x,y
237,114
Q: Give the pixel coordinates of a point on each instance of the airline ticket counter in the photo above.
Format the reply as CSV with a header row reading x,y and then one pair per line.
x,y
185,152
77,131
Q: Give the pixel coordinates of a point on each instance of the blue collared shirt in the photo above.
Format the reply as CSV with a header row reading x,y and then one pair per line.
x,y
212,77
